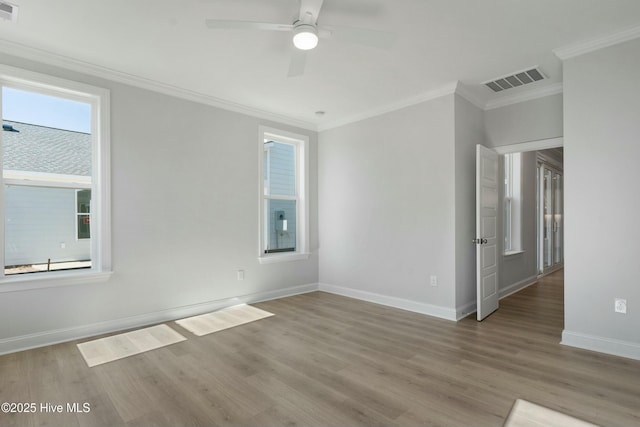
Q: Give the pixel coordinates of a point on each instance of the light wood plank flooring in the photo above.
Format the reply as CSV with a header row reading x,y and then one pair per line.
x,y
326,360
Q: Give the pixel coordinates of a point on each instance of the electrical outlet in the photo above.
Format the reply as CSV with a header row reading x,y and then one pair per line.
x,y
240,274
434,280
620,305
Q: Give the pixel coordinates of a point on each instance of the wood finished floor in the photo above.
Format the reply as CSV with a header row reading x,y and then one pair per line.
x,y
326,360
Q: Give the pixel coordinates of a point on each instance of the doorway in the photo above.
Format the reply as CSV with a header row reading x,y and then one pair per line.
x,y
518,256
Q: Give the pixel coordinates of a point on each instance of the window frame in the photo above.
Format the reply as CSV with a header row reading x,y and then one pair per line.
x,y
301,144
512,204
99,99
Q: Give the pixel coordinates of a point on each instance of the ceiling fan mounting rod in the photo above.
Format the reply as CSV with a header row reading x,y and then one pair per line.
x,y
307,18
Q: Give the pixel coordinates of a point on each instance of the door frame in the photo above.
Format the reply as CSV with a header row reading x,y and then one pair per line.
x,y
526,146
522,147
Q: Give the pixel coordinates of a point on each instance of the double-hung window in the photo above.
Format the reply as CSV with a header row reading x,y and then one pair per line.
x,y
284,209
54,201
512,203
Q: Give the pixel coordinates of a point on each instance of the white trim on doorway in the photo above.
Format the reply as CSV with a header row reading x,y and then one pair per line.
x,y
541,144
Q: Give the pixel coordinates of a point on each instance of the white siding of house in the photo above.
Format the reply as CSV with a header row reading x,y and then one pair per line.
x,y
39,221
283,173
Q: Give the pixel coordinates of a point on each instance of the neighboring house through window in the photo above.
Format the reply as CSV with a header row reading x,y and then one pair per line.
x,y
512,203
55,161
283,202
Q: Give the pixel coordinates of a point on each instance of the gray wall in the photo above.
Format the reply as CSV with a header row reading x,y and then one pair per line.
x,y
185,197
602,134
387,194
525,121
469,131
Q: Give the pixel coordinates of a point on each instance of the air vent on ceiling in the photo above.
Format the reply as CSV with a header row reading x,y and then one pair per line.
x,y
515,80
8,11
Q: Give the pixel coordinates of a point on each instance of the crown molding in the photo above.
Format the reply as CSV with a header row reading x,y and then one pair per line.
x,y
444,90
527,95
448,89
72,64
590,45
49,58
68,63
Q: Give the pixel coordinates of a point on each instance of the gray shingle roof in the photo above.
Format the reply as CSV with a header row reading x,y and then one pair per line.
x,y
42,149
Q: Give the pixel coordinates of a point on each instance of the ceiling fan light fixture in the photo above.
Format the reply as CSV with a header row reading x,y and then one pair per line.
x,y
305,37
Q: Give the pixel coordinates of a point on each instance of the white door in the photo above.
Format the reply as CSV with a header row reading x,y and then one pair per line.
x,y
486,240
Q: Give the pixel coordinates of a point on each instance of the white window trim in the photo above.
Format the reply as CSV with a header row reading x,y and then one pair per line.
x,y
301,143
511,253
99,98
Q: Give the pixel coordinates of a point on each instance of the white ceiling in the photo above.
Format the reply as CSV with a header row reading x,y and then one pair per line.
x,y
438,43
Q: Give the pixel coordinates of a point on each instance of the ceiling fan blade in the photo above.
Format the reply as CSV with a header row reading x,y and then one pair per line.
x,y
298,62
371,38
220,24
310,7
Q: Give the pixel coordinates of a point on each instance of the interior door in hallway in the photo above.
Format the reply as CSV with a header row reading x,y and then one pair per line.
x,y
486,240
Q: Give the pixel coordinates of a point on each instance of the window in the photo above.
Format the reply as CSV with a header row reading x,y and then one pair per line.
x,y
55,170
512,203
83,211
283,202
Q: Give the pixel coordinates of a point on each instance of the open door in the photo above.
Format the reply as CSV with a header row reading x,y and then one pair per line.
x,y
486,231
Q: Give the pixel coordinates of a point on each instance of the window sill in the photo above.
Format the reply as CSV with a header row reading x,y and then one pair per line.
x,y
28,282
511,253
271,259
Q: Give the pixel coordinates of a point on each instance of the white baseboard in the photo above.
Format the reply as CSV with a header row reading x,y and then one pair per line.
x,y
40,339
518,286
615,347
551,270
472,307
465,310
401,303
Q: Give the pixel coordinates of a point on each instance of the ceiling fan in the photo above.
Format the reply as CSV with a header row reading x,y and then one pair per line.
x,y
306,33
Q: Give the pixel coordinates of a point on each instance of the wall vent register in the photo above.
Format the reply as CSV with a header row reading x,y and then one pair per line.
x,y
514,80
8,11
